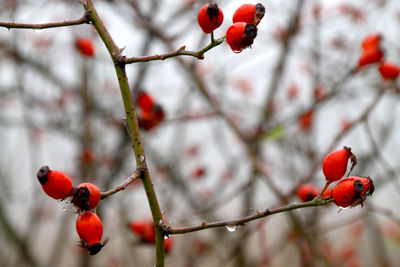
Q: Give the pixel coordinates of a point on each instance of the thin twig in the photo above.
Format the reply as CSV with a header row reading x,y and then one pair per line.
x,y
241,221
179,52
137,174
13,25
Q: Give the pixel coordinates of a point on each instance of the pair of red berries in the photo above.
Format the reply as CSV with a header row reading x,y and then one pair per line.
x,y
350,191
151,114
58,185
85,46
146,232
85,197
371,50
242,32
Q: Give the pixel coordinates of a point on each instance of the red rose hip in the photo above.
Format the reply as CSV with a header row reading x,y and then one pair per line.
x,y
90,230
249,13
334,165
86,196
307,192
55,184
85,46
389,71
241,35
352,191
210,17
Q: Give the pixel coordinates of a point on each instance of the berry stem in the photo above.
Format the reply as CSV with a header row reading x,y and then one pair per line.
x,y
323,189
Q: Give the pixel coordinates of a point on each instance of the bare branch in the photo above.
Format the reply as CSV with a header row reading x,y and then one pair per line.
x,y
13,25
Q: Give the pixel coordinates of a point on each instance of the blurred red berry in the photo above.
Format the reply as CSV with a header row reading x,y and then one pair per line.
x,y
352,191
86,196
145,101
241,35
168,244
144,230
371,41
307,192
150,119
85,46
87,156
55,184
198,173
293,91
90,230
370,56
334,165
249,13
306,120
210,17
389,71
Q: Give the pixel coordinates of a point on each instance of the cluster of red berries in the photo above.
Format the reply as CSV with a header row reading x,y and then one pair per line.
x,y
151,114
349,192
85,197
85,46
372,53
242,32
145,230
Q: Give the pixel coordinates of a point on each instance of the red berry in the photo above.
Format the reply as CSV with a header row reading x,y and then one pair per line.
x,y
306,119
241,35
249,13
150,119
86,196
56,184
389,71
145,101
210,17
327,192
307,192
371,41
334,165
352,191
168,244
85,46
145,230
90,230
370,56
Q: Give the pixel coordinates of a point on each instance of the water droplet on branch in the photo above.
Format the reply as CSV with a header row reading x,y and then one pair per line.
x,y
231,228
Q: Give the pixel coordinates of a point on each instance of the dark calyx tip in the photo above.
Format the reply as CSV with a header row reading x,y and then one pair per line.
x,y
42,174
358,187
250,31
213,11
371,188
80,197
260,11
95,248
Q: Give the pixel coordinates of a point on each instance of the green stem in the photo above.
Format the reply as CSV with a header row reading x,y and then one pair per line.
x,y
132,126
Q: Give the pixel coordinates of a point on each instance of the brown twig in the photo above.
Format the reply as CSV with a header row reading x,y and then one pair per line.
x,y
137,174
241,221
13,25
